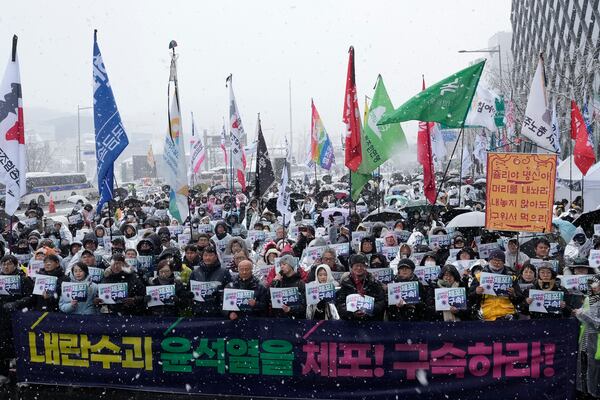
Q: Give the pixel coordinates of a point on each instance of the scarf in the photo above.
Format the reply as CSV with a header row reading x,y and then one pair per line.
x,y
360,284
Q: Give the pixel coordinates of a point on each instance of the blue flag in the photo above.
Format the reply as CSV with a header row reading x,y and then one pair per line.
x,y
111,138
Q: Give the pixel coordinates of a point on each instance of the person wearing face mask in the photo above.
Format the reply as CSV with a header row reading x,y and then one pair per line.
x,y
221,237
547,281
404,251
18,298
323,310
49,301
588,356
429,260
403,311
491,308
246,281
80,274
177,303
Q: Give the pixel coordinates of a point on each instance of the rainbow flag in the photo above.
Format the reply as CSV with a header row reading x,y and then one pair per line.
x,y
321,149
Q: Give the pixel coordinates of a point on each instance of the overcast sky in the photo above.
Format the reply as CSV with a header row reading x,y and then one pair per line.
x,y
263,43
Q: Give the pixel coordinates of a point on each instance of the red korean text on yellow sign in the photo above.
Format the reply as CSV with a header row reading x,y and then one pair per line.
x,y
520,191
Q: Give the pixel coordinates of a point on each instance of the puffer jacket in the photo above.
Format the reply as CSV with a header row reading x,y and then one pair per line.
x,y
211,307
371,288
261,295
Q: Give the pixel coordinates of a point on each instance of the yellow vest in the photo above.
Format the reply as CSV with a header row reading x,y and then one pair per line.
x,y
494,307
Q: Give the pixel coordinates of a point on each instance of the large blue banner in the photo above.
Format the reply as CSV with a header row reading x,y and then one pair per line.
x,y
111,138
301,359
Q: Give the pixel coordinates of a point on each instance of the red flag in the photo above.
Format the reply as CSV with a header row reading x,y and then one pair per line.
x,y
425,158
352,118
584,150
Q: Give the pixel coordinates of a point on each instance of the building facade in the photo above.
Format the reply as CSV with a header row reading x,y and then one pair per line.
x,y
566,33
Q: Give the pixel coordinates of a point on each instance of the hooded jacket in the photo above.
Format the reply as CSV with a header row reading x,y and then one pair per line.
x,y
222,239
172,308
323,310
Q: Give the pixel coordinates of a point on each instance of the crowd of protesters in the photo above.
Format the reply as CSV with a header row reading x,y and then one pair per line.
x,y
238,243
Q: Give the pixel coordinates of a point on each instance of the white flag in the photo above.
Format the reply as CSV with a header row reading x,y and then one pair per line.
x,y
537,123
438,147
197,150
483,109
283,200
467,162
12,134
480,149
237,135
174,157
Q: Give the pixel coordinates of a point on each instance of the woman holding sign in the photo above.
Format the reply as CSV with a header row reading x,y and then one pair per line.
x,y
546,298
323,310
171,296
79,302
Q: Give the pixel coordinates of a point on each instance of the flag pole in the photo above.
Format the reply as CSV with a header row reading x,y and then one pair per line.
x,y
462,149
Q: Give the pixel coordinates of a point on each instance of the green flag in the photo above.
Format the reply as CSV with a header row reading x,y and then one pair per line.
x,y
378,142
446,102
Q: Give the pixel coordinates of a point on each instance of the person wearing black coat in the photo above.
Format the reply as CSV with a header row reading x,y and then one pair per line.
x,y
289,277
134,303
403,311
177,303
247,281
449,277
49,301
359,281
15,299
210,270
547,281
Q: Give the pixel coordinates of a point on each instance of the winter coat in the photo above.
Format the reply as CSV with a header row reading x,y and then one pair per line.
x,y
371,288
182,298
555,286
261,295
490,308
323,310
211,307
297,311
8,304
409,312
135,290
83,308
51,303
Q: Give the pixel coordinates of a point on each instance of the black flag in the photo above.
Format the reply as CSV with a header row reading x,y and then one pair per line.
x,y
264,170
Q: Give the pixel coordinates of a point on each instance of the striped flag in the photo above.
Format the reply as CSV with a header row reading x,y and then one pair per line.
x,y
223,146
197,150
236,135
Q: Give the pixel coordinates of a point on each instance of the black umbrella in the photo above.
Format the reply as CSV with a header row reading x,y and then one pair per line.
x,y
271,205
384,215
587,220
450,214
132,202
217,189
297,196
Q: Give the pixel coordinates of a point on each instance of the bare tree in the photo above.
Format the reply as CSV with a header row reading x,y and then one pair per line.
x,y
39,156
